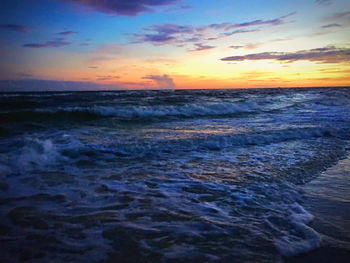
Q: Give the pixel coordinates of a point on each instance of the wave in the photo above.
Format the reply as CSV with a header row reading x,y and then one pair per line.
x,y
153,106
33,152
134,112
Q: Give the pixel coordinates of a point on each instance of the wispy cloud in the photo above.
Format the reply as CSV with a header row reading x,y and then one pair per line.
x,y
15,27
24,75
185,7
200,47
86,42
340,15
166,33
328,54
331,25
66,33
273,22
323,2
179,35
253,45
180,8
57,42
240,31
107,77
162,81
123,7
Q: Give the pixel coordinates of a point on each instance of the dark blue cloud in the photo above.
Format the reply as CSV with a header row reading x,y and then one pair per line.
x,y
66,33
15,27
331,25
57,42
329,54
157,38
168,33
123,7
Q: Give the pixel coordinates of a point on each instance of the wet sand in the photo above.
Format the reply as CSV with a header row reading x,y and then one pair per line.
x,y
328,199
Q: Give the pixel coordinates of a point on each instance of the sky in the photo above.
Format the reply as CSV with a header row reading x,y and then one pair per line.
x,y
173,44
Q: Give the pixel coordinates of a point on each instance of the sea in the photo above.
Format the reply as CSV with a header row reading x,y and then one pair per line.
x,y
244,175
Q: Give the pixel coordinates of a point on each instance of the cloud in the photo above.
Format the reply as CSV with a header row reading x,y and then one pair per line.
x,y
15,27
340,15
163,82
86,42
185,7
129,84
51,85
57,42
331,25
274,22
323,2
179,35
240,31
66,33
158,38
123,7
253,45
166,33
107,77
200,47
180,8
24,75
259,44
328,54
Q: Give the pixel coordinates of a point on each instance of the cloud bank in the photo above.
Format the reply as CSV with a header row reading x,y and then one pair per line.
x,y
123,7
28,85
325,55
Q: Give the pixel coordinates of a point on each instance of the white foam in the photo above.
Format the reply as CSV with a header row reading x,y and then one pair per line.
x,y
36,152
307,239
289,246
187,110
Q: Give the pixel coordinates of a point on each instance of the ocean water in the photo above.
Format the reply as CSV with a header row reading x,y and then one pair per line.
x,y
165,176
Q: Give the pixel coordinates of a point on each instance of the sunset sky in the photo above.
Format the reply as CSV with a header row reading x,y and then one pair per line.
x,y
148,44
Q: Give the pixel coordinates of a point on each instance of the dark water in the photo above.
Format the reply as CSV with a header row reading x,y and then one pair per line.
x,y
165,176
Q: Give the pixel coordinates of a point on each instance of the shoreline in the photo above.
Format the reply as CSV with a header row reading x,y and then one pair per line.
x,y
328,199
